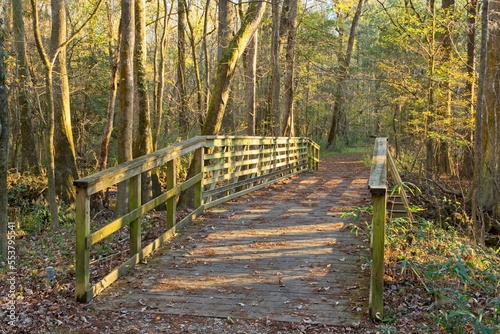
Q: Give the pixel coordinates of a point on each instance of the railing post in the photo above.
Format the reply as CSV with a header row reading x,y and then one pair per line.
x,y
316,158
198,187
310,155
377,250
82,256
171,183
378,189
134,203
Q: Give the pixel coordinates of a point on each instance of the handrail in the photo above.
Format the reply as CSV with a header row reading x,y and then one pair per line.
x,y
401,188
377,184
226,167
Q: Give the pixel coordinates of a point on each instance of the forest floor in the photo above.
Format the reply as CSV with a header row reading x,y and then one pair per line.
x,y
436,281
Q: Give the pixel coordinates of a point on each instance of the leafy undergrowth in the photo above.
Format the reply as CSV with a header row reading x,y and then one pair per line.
x,y
437,281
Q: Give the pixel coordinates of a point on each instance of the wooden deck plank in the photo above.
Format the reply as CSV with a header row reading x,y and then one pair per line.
x,y
282,253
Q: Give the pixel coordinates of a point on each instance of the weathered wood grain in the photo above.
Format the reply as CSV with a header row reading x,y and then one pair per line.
x,y
277,158
281,253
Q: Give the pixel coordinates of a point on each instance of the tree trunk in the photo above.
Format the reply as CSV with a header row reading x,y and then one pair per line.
x,y
206,55
65,156
143,142
431,109
159,92
196,67
339,119
4,148
444,161
272,117
227,65
224,27
126,109
181,70
468,159
225,34
29,157
225,72
49,136
488,185
477,196
289,126
108,126
250,64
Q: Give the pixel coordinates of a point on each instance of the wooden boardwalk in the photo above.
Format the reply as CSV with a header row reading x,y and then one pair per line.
x,y
282,253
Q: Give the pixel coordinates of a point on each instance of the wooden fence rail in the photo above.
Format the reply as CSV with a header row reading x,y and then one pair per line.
x,y
225,168
378,189
382,161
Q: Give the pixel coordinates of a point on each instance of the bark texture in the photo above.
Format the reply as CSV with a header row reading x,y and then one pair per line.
x,y
339,119
488,186
4,148
28,154
227,65
291,23
143,141
126,109
64,150
250,64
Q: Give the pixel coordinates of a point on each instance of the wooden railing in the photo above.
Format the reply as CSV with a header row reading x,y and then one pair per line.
x,y
378,189
381,162
225,168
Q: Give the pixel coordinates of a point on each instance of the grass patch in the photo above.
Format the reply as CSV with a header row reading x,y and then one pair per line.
x,y
328,152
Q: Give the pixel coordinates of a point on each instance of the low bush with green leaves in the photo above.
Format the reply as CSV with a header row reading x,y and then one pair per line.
x,y
438,276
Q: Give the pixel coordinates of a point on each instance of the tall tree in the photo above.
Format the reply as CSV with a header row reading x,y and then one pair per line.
x,y
225,33
199,86
65,155
470,84
339,121
471,49
443,157
250,67
272,114
48,62
224,27
227,66
291,28
159,69
488,123
225,72
28,156
126,106
181,70
143,141
113,53
159,75
206,56
4,142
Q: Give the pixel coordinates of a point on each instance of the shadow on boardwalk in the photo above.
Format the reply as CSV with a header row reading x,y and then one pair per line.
x,y
281,254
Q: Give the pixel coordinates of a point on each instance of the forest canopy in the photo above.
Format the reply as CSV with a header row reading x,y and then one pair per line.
x,y
89,84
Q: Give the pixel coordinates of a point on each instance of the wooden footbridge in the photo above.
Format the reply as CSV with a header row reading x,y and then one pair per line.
x,y
266,238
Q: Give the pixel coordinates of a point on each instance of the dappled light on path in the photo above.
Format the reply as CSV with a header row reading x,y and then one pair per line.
x,y
282,253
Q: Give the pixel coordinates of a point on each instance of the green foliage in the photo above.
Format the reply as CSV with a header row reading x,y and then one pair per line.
x,y
460,281
35,218
408,186
340,150
27,198
25,188
357,213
